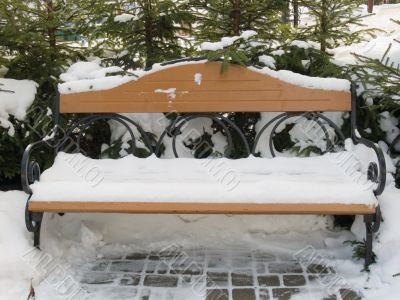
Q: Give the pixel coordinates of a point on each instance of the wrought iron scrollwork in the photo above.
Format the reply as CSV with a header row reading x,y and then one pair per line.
x,y
33,172
358,139
314,116
394,144
175,129
84,123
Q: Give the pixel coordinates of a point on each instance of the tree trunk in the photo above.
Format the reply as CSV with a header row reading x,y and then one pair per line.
x,y
51,30
370,6
236,13
324,25
295,13
150,59
286,13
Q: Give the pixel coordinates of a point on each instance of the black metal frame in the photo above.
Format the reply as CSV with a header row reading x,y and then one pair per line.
x,y
30,170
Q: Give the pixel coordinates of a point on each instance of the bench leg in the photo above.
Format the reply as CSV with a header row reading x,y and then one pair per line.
x,y
33,222
372,223
36,233
368,219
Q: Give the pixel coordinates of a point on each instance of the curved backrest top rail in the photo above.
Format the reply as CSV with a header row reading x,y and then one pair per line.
x,y
200,87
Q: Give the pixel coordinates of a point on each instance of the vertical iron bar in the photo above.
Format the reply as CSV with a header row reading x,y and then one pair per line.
x,y
368,240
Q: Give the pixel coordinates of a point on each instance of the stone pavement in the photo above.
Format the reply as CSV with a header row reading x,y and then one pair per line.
x,y
208,275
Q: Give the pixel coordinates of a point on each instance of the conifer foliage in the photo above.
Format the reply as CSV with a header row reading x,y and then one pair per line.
x,y
145,32
330,22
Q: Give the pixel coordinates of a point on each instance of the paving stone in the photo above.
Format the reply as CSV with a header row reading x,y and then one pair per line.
x,y
154,256
217,294
285,267
217,279
161,281
218,262
241,262
264,256
187,269
319,269
243,294
136,256
268,280
100,266
162,267
151,266
193,282
111,256
198,284
127,266
170,274
330,297
263,294
349,295
172,254
130,280
105,292
145,294
99,278
260,268
294,280
324,279
284,293
241,279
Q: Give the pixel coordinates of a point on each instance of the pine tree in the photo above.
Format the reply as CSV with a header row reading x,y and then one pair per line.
x,y
331,22
218,18
380,81
145,32
37,41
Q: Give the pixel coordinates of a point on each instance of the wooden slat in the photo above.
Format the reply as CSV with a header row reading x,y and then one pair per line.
x,y
239,89
199,208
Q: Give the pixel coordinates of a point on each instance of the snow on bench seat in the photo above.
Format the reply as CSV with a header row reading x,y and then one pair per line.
x,y
138,184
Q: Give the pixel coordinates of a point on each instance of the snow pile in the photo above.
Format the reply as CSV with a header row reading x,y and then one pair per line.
x,y
123,18
16,96
377,45
267,60
15,243
389,124
197,78
90,76
171,92
387,269
331,178
226,41
332,84
85,76
301,44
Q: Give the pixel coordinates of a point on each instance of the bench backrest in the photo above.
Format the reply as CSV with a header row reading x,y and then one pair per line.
x,y
200,87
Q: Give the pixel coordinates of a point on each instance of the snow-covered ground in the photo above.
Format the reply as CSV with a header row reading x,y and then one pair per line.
x,y
75,239
15,242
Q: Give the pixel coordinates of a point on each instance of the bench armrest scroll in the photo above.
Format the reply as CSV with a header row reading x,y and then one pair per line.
x,y
376,172
30,169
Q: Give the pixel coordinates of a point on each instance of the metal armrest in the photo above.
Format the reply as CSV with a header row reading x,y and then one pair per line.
x,y
30,169
376,173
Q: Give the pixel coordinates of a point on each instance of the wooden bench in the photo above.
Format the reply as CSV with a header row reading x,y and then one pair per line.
x,y
239,89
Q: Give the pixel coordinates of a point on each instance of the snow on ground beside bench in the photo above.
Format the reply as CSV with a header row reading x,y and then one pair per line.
x,y
375,46
15,243
74,239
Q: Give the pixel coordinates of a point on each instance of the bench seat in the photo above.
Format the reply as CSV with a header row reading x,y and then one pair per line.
x,y
334,183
